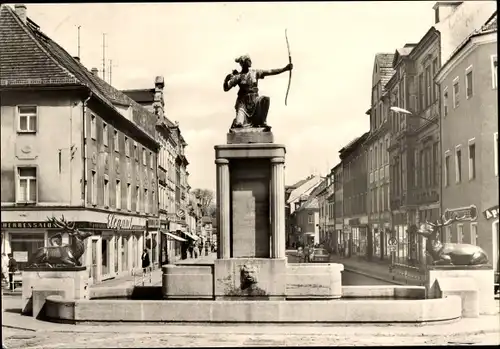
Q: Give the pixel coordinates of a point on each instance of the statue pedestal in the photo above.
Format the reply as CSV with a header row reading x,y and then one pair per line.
x,y
481,275
249,135
73,281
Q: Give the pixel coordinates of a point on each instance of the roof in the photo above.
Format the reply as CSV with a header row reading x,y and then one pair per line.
x,y
352,145
141,95
30,58
311,203
384,61
490,26
402,52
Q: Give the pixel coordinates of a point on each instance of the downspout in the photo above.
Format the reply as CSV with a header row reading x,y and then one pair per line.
x,y
84,147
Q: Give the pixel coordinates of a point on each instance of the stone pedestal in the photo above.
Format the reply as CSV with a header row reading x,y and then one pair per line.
x,y
481,275
73,281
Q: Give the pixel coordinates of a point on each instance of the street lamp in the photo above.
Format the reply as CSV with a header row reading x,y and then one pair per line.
x,y
404,111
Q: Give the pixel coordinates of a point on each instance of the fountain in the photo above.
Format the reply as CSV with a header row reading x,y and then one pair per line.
x,y
251,280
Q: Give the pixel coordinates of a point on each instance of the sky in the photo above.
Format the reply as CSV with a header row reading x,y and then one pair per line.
x,y
193,45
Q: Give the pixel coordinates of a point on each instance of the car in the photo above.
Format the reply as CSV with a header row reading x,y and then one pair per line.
x,y
319,255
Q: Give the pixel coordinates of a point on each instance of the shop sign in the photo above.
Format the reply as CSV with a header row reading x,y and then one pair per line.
x,y
28,225
463,213
153,223
118,223
492,212
20,256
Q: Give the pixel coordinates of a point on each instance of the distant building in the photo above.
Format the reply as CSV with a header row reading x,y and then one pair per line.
x,y
338,210
72,145
469,115
307,217
356,238
378,142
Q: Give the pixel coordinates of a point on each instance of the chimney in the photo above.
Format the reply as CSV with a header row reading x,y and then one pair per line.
x,y
158,101
442,9
95,71
21,12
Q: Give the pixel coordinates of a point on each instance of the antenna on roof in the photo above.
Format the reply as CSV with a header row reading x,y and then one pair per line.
x,y
111,69
104,56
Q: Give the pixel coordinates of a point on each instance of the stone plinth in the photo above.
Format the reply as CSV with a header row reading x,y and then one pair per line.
x,y
73,281
249,135
188,282
314,281
250,199
465,288
39,297
257,278
482,275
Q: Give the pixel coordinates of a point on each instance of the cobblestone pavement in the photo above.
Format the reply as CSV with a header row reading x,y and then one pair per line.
x,y
25,339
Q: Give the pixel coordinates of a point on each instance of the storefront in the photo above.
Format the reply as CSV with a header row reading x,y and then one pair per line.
x,y
113,250
359,239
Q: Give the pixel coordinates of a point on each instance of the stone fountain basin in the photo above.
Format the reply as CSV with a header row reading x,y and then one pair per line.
x,y
396,304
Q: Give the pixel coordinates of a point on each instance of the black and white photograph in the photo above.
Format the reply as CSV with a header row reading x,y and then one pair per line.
x,y
249,174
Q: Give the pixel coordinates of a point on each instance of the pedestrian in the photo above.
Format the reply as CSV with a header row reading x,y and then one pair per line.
x,y
146,262
306,253
206,248
5,268
300,255
12,269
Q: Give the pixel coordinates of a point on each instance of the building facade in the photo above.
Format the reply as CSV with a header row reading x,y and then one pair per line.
x,y
468,84
72,146
338,209
378,142
356,239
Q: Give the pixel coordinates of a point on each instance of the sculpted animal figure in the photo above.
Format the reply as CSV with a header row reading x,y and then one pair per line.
x,y
64,255
450,253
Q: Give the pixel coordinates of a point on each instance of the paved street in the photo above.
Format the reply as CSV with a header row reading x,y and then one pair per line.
x,y
237,336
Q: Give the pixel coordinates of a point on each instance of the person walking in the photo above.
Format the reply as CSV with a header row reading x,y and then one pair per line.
x,y
146,262
12,269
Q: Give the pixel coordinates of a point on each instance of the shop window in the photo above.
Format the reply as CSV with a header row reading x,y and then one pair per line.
x,y
460,233
105,255
27,116
117,252
27,184
25,244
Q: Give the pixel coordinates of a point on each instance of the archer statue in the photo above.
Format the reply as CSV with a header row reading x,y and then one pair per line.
x,y
251,109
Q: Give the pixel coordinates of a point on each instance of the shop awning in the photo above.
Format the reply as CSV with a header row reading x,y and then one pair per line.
x,y
194,237
175,237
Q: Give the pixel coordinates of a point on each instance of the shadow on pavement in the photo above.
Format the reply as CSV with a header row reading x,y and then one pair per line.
x,y
13,310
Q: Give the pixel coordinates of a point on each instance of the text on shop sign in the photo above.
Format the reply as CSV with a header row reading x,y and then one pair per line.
x,y
463,213
492,212
118,223
27,225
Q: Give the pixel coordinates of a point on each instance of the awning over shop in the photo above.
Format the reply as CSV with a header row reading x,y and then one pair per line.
x,y
194,237
175,237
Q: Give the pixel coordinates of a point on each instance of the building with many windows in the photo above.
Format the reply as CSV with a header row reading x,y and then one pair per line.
x,y
338,209
469,85
72,145
379,213
356,239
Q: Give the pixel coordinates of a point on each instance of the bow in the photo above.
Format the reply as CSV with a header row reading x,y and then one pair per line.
x,y
290,61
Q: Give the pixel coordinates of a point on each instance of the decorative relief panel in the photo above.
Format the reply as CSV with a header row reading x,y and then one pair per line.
x,y
25,151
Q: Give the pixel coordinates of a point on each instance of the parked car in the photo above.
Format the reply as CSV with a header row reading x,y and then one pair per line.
x,y
319,255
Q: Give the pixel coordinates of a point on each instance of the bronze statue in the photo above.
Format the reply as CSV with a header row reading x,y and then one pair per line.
x,y
65,255
251,109
450,253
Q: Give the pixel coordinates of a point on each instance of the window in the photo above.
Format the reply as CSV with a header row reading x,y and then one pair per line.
x,y
495,152
93,126
468,83
494,76
26,187
456,93
472,160
434,73
428,85
106,192
435,168
127,147
310,219
136,152
27,118
129,197
422,168
137,199
146,201
382,208
445,101
144,156
151,162
152,201
447,232
460,233
105,134
415,167
458,164
93,189
376,160
421,92
116,141
118,193
446,169
473,233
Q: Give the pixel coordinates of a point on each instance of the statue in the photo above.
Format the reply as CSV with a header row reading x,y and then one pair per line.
x,y
251,109
450,253
65,255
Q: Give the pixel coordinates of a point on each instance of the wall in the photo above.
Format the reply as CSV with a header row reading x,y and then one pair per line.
x,y
59,112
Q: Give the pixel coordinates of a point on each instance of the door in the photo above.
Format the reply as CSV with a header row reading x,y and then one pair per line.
x,y
93,267
494,257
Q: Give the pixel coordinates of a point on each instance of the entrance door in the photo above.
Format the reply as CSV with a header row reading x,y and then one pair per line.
x,y
494,257
93,267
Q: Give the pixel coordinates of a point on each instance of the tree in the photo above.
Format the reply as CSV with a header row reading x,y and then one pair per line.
x,y
206,199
